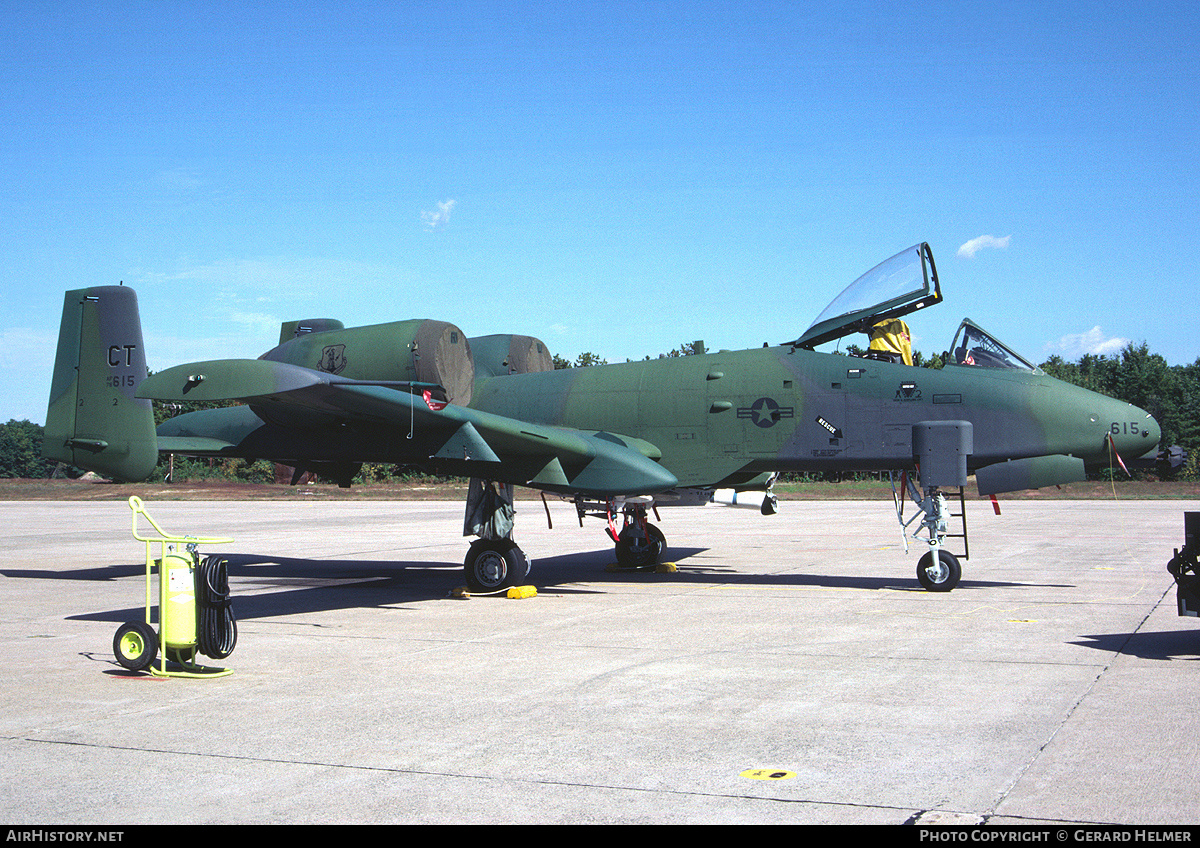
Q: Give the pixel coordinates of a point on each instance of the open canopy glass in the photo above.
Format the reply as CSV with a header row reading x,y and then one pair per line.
x,y
903,284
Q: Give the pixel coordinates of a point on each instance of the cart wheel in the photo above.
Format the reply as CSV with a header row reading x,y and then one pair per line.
x,y
135,645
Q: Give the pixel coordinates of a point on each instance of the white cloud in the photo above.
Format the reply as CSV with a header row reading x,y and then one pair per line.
x,y
28,347
257,324
975,245
179,180
232,308
264,280
1094,341
433,220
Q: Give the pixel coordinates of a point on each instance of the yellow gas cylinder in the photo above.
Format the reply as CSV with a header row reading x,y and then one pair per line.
x,y
177,607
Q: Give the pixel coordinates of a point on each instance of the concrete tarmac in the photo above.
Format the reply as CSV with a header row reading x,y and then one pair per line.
x,y
1056,684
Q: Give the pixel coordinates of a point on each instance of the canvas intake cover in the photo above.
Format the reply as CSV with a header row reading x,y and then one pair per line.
x,y
420,350
500,355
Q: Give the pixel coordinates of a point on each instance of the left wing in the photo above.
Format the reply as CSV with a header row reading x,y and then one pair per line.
x,y
299,413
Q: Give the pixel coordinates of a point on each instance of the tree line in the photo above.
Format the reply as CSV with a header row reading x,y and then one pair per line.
x,y
1171,393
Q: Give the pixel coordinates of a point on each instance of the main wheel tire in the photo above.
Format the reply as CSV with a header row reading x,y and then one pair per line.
x,y
638,552
495,564
942,577
135,645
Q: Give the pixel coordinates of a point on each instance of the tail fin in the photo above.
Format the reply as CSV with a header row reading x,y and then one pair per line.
x,y
94,421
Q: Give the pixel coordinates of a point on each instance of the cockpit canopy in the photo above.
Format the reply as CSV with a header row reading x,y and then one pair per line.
x,y
903,284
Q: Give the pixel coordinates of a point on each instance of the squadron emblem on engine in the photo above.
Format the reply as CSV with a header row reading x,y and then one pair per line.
x,y
333,359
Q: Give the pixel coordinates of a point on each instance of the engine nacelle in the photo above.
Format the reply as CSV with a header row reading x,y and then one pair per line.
x,y
294,329
498,356
419,350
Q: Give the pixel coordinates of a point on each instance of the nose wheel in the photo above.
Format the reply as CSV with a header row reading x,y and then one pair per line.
x,y
941,575
938,570
640,545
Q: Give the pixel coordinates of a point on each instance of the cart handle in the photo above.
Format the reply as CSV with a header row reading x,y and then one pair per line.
x,y
135,504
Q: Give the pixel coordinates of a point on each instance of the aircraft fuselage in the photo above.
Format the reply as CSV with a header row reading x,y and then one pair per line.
x,y
722,418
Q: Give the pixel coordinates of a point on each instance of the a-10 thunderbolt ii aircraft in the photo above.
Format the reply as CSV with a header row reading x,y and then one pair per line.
x,y
618,439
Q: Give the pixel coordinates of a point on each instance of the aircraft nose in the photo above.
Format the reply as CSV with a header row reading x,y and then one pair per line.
x,y
1151,435
1134,431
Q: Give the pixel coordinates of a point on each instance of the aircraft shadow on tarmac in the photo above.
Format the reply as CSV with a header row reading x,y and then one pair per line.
x,y
1160,645
103,572
263,586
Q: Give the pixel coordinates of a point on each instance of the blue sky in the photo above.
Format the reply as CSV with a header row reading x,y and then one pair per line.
x,y
609,177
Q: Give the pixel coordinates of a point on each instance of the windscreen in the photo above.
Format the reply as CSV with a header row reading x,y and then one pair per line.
x,y
973,346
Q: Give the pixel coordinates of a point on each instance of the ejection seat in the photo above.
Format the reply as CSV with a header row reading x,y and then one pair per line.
x,y
890,342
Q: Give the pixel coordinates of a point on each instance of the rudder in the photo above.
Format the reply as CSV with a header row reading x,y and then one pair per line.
x,y
94,420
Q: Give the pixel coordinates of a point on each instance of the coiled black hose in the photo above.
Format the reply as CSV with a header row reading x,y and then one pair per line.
x,y
216,630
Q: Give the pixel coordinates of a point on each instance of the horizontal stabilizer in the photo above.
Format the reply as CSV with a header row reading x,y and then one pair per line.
x,y
193,445
227,379
1030,473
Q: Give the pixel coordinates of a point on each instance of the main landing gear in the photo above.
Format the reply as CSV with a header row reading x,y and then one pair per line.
x,y
493,565
494,562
